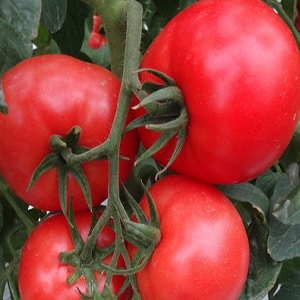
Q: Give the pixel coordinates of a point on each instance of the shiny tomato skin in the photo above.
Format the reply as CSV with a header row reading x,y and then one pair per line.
x,y
41,274
238,67
204,248
49,94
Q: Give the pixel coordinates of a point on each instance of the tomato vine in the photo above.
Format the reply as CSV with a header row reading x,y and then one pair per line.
x,y
268,204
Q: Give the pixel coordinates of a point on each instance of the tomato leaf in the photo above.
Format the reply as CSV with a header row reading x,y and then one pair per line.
x,y
290,7
292,154
289,281
69,38
263,271
284,242
19,21
282,234
249,193
23,15
53,14
13,48
169,8
288,212
266,182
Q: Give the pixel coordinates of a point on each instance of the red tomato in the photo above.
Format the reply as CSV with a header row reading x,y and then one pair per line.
x,y
238,67
42,275
96,40
204,248
97,22
48,95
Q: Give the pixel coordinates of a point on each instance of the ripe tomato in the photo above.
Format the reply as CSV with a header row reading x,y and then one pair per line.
x,y
238,67
47,95
96,39
42,275
204,248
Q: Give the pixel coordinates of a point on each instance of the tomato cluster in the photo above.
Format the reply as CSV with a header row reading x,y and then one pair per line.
x,y
241,117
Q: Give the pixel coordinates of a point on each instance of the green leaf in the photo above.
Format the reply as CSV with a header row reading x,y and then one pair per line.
x,y
1,219
290,7
288,212
292,153
169,8
263,271
154,22
262,276
281,191
266,182
2,271
19,21
70,37
289,281
54,14
24,16
248,193
284,240
13,48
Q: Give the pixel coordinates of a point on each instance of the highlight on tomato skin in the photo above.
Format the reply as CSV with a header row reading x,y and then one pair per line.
x,y
242,113
41,274
67,92
204,249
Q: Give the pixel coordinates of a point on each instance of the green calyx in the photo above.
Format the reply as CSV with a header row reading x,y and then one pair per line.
x,y
55,160
166,114
143,233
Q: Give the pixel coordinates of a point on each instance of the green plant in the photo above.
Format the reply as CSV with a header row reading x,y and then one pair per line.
x,y
268,204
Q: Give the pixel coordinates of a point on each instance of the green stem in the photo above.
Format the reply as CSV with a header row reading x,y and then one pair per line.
x,y
113,15
130,82
112,144
89,246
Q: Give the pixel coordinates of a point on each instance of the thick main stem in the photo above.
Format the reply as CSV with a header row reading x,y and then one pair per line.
x,y
113,14
112,144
